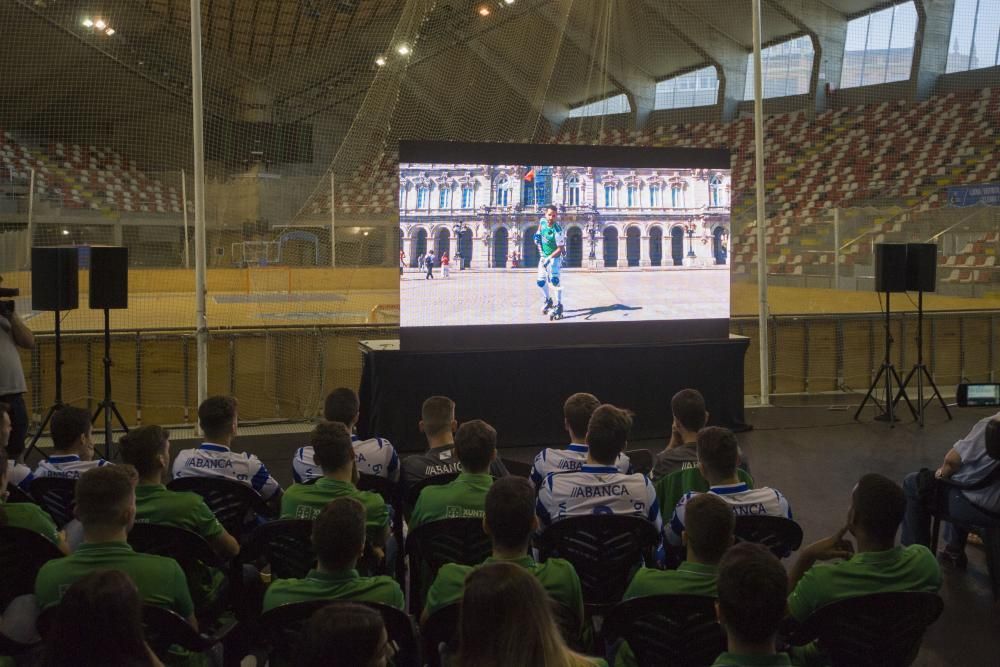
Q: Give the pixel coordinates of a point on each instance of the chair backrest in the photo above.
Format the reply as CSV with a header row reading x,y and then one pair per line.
x,y
283,626
16,494
668,629
22,554
780,535
285,544
55,495
436,543
189,549
380,485
641,459
604,550
883,629
671,488
413,491
231,502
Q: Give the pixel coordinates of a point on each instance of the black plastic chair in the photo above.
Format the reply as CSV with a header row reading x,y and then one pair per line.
x,y
879,630
22,554
413,491
437,543
281,629
604,549
56,496
285,545
780,535
641,459
231,502
16,494
679,630
386,488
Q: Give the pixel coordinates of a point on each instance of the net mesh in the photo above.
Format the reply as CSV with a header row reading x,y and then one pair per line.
x,y
306,101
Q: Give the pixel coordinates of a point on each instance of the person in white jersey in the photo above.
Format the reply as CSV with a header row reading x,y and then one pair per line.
x,y
718,456
375,456
598,487
73,447
218,418
577,411
18,474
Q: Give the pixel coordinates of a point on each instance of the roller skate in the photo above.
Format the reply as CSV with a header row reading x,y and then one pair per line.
x,y
557,312
547,306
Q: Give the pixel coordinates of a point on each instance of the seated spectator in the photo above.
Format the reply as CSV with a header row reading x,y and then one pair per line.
x,y
437,422
510,521
27,515
98,624
338,536
348,635
105,505
598,487
968,461
375,456
690,416
718,457
18,474
73,448
218,418
752,588
331,443
576,414
465,497
875,565
506,619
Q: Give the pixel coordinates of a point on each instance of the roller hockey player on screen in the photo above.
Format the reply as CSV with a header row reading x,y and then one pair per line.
x,y
551,242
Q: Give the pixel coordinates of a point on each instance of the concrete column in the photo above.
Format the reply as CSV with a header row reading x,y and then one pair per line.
x,y
644,251
930,50
598,251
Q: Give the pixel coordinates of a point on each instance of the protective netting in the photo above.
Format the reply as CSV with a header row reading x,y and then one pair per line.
x,y
880,126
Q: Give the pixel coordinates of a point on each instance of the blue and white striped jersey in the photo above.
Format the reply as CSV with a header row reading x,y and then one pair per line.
x,y
69,466
745,501
564,460
212,460
375,456
19,475
596,489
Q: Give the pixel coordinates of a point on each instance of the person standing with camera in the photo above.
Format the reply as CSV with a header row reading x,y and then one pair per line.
x,y
14,333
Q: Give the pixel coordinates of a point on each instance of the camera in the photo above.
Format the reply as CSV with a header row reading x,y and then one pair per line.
x,y
7,306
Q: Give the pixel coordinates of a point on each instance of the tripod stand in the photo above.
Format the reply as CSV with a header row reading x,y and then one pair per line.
x,y
887,374
107,406
920,372
58,402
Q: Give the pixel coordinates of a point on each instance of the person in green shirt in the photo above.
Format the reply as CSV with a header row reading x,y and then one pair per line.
x,y
333,451
510,521
465,497
752,587
105,505
338,536
27,515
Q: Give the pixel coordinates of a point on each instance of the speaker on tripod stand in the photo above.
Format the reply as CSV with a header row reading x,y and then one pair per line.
x,y
890,276
108,291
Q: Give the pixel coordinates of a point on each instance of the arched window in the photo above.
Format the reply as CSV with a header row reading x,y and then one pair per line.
x,y
402,197
467,196
573,191
444,197
503,191
715,191
610,200
423,197
655,196
676,196
633,196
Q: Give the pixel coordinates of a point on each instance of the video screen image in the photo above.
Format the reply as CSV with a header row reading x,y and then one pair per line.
x,y
489,244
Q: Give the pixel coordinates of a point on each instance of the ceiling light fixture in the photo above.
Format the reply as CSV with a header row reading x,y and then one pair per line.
x,y
109,32
87,23
100,24
484,11
403,49
380,61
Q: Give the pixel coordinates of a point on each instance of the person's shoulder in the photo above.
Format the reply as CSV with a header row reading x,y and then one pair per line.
x,y
919,554
382,580
559,566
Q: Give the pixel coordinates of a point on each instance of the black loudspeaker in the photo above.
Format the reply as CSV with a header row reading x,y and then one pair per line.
x,y
890,267
921,267
108,277
55,283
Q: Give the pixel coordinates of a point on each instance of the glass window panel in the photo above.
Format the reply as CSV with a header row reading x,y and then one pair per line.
x,y
609,105
697,88
787,69
987,30
963,20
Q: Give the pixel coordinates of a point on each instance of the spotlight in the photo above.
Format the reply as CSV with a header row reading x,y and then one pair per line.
x,y
100,24
380,61
484,11
65,232
508,2
366,233
403,49
87,23
109,32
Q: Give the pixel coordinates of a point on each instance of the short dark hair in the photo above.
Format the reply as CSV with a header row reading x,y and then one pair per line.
x,y
437,413
343,634
338,533
341,405
753,592
709,523
475,444
510,511
216,414
688,408
102,494
331,443
140,446
718,450
607,433
68,423
879,506
577,411
552,207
